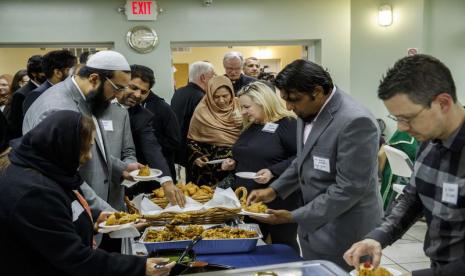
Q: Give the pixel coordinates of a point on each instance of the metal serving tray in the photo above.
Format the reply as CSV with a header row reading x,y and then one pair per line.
x,y
208,246
305,268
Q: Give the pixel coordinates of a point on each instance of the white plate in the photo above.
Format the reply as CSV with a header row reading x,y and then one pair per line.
x,y
262,215
153,174
393,271
116,226
247,175
217,161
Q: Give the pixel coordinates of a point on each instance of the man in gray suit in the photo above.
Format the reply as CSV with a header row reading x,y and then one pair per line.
x,y
335,167
90,92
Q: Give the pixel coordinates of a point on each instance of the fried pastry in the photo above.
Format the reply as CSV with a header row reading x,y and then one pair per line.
x,y
118,218
160,193
200,193
144,171
258,207
366,269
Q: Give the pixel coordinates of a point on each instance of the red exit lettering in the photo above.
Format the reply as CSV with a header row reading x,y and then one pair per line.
x,y
141,7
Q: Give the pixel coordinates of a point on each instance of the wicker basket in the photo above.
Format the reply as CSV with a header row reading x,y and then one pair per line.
x,y
210,216
163,202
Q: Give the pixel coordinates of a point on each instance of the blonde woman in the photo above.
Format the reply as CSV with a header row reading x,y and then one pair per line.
x,y
267,146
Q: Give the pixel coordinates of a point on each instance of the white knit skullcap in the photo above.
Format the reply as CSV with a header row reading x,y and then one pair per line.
x,y
108,60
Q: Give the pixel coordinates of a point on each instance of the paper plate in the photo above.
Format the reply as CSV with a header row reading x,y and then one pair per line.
x,y
154,173
217,161
247,175
116,226
393,271
247,213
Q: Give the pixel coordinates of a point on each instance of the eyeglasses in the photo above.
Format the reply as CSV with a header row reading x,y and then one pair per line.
x,y
118,89
405,120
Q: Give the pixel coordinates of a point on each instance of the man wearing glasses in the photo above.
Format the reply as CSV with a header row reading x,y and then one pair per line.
x,y
90,92
233,63
148,149
419,93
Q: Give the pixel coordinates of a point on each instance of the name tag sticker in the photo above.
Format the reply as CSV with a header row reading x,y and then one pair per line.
x,y
270,127
321,164
450,193
107,125
77,209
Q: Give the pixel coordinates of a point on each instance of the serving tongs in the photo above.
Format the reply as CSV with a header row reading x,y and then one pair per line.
x,y
194,241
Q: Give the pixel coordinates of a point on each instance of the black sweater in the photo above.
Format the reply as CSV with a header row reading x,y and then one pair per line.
x,y
257,149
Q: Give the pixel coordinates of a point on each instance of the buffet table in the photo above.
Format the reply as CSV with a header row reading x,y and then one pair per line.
x,y
263,255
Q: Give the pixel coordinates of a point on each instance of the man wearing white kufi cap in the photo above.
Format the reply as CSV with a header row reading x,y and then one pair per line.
x,y
90,92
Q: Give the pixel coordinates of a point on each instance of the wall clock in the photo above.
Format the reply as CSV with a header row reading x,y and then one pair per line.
x,y
142,39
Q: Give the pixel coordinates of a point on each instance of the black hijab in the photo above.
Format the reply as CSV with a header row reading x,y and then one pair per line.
x,y
52,148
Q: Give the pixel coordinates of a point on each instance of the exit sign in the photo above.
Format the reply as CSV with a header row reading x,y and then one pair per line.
x,y
141,10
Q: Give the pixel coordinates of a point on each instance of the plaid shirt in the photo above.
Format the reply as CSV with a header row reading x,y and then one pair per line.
x,y
438,162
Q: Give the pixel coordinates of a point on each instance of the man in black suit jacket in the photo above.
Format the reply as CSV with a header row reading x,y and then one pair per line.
x,y
56,66
233,63
186,99
148,150
37,77
165,125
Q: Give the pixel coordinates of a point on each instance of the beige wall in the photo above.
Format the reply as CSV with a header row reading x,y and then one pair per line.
x,y
286,54
14,59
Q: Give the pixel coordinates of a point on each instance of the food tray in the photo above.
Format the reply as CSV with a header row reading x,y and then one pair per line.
x,y
208,246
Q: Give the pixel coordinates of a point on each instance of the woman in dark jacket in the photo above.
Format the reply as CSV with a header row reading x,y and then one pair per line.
x,y
266,146
46,225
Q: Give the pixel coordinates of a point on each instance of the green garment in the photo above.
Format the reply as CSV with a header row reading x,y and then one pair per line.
x,y
406,143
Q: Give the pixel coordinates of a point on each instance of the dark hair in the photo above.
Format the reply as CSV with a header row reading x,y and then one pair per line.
x,y
34,65
144,73
303,76
17,78
87,127
420,77
85,72
84,57
59,59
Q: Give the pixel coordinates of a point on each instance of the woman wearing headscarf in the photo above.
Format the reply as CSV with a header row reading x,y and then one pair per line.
x,y
214,128
266,146
46,225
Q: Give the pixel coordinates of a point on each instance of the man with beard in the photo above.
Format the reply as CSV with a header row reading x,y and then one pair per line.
x,y
36,78
148,149
56,66
107,73
341,199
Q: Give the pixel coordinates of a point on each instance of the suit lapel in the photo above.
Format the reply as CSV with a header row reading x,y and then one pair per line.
x,y
84,110
319,125
300,134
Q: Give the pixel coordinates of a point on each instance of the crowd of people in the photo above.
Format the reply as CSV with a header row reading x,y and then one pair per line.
x,y
72,130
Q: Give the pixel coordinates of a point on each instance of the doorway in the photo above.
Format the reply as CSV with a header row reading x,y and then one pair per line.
x,y
273,56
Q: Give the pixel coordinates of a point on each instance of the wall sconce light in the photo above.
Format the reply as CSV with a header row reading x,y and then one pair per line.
x,y
385,15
